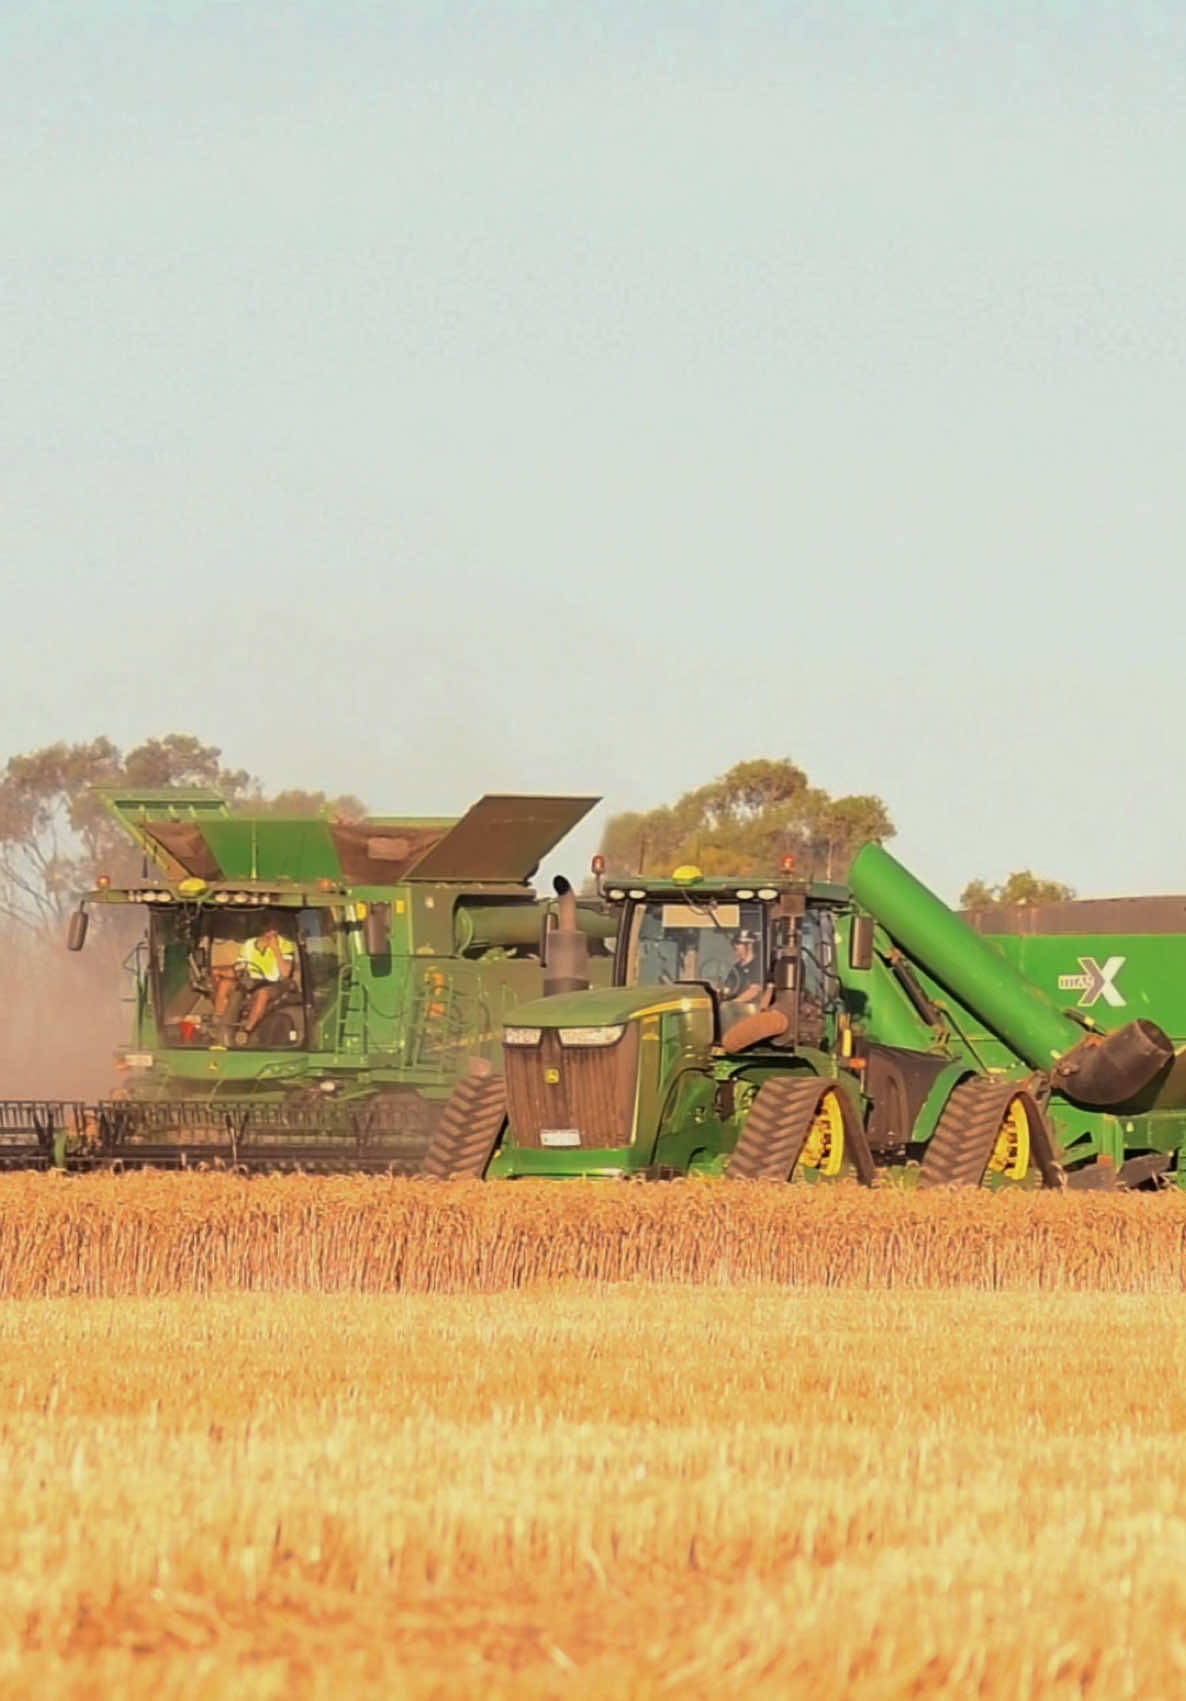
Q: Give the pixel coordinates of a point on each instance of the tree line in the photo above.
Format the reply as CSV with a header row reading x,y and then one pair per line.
x,y
56,835
761,811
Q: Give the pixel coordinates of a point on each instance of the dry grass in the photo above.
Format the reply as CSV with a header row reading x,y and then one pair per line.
x,y
151,1234
681,1463
661,1492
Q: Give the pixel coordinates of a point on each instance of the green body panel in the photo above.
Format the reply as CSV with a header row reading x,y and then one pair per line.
x,y
1149,979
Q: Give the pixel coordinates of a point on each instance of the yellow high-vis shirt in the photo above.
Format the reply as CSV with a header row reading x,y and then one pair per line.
x,y
263,961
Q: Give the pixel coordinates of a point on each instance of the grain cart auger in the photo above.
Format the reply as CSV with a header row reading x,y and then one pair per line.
x,y
1114,1093
308,991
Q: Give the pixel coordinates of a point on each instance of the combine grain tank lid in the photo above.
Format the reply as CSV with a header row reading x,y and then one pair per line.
x,y
186,844
167,823
502,838
381,853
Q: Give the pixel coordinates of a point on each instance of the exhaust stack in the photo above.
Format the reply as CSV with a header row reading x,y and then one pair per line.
x,y
566,949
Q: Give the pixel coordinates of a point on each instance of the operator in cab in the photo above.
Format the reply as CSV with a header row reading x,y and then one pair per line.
x,y
743,983
265,965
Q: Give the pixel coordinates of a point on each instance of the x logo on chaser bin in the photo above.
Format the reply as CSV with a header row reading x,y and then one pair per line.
x,y
1095,982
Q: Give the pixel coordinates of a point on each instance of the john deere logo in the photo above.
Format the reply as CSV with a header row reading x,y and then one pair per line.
x,y
1095,982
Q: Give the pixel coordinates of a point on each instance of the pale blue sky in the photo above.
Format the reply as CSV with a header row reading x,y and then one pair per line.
x,y
424,400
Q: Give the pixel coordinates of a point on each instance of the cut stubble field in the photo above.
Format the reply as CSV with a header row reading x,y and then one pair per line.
x,y
590,1488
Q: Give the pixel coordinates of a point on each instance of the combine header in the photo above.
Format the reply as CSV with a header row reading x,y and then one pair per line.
x,y
308,991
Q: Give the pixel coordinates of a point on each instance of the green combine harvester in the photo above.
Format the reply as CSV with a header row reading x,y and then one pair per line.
x,y
309,991
783,1029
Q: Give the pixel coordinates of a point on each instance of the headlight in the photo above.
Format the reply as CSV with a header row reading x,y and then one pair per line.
x,y
592,1036
520,1036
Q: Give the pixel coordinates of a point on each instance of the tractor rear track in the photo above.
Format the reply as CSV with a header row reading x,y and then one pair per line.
x,y
958,1152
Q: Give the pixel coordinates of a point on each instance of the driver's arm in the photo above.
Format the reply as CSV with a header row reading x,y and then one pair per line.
x,y
744,982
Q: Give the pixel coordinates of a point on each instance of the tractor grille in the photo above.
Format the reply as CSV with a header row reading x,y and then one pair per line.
x,y
595,1092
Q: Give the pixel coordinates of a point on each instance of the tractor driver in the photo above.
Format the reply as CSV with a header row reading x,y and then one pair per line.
x,y
266,963
743,983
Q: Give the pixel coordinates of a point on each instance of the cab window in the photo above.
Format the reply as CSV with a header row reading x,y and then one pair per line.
x,y
722,943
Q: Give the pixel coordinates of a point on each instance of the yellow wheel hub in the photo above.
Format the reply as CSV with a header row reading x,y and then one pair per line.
x,y
1011,1153
823,1149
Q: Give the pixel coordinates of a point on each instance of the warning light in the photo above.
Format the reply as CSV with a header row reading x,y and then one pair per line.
x,y
787,864
598,864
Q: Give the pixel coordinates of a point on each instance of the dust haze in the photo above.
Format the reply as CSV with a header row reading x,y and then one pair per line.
x,y
65,1013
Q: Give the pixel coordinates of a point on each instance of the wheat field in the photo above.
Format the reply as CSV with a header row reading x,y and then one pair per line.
x,y
253,1449
594,1492
154,1234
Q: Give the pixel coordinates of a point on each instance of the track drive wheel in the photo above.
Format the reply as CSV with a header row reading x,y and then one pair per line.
x,y
800,1122
989,1128
464,1139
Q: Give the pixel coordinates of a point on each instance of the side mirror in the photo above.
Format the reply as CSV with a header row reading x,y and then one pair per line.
x,y
860,942
376,930
76,932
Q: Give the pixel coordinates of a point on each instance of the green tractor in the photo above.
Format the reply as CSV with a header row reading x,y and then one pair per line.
x,y
780,1029
309,990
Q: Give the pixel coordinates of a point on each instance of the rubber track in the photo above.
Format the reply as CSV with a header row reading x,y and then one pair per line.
x,y
777,1127
958,1151
465,1137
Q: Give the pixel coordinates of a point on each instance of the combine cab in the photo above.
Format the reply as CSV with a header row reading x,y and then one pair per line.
x,y
309,990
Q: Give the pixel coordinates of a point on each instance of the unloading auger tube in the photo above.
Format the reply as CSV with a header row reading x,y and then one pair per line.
x,y
1094,1069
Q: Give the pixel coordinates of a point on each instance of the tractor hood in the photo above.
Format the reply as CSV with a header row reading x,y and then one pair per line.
x,y
605,1007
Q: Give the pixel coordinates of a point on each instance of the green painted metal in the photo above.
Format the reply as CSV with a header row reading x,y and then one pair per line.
x,y
1107,979
462,961
935,989
691,1097
396,1016
961,960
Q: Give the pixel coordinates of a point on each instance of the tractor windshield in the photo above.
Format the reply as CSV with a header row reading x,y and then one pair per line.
x,y
251,978
719,942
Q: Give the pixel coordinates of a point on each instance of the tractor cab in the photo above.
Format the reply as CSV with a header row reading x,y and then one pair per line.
x,y
749,945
